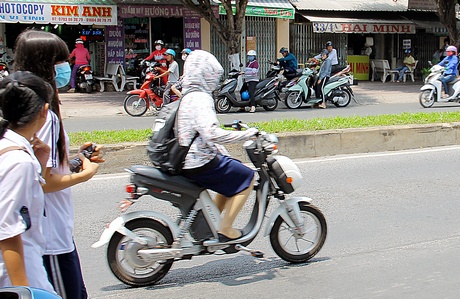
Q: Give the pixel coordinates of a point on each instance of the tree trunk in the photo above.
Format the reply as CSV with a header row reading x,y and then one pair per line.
x,y
229,30
446,13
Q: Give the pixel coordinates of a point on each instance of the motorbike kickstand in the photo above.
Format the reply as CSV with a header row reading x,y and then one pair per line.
x,y
254,253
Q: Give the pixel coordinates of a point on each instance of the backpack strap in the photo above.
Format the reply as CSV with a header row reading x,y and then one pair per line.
x,y
12,148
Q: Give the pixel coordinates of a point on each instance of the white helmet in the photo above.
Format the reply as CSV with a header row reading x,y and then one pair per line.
x,y
252,53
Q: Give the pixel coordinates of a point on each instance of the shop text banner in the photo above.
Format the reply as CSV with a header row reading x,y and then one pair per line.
x,y
323,27
155,11
45,13
258,11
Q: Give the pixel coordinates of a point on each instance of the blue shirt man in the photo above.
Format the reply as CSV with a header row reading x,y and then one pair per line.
x,y
288,62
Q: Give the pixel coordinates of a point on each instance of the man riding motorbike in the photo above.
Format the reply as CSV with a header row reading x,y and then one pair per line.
x,y
288,61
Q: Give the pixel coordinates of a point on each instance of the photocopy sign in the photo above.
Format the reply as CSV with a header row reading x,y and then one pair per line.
x,y
45,13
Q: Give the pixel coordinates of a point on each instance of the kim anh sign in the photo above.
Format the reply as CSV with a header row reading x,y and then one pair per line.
x,y
45,13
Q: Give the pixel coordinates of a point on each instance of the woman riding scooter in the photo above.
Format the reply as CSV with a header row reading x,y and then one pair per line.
x,y
450,73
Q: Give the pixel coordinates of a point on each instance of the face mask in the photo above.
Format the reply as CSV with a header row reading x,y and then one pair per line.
x,y
63,72
158,48
184,57
251,58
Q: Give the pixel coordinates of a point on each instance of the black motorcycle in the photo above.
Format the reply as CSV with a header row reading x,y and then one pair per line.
x,y
266,96
84,79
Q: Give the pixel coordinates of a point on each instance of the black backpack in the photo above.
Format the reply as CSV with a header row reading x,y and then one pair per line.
x,y
163,147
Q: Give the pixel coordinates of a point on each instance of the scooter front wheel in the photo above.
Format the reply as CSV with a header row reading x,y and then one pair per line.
x,y
223,105
130,267
299,249
134,105
293,99
427,98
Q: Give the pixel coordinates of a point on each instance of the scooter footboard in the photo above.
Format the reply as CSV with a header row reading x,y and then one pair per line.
x,y
293,203
118,225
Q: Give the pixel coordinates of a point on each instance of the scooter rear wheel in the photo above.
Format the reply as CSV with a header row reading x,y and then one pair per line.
x,y
344,100
293,99
134,105
125,262
426,98
271,107
299,250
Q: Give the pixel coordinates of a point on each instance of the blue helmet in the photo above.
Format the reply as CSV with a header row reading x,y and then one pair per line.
x,y
245,95
407,51
186,51
171,52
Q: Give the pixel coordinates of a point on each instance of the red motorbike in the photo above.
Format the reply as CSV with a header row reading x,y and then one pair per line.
x,y
138,101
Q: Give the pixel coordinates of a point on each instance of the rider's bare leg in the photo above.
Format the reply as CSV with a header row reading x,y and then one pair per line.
x,y
219,201
233,206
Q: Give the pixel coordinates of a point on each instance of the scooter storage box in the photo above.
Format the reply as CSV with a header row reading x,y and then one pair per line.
x,y
286,173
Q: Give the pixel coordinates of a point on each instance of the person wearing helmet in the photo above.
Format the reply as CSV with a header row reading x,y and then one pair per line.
x,y
323,77
251,77
408,64
172,74
177,87
332,56
82,57
158,55
288,61
450,73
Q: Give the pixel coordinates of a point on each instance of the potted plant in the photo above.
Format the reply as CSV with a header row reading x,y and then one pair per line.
x,y
425,72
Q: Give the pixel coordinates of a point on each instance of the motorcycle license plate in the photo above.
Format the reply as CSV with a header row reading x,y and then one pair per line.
x,y
88,77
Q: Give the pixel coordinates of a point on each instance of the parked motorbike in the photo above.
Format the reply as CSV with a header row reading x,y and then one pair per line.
x,y
138,101
225,97
24,292
143,245
84,79
431,91
337,89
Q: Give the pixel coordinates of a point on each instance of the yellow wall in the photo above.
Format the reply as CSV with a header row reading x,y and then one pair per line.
x,y
282,35
205,35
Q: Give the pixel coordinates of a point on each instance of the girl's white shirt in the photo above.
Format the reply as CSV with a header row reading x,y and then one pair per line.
x,y
58,225
20,185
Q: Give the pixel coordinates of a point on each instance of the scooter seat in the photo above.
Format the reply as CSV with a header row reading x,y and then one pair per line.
x,y
154,173
457,79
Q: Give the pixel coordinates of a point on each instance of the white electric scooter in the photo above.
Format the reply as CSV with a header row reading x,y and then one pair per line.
x,y
431,91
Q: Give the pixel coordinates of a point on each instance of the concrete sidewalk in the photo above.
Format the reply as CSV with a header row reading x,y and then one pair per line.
x,y
98,104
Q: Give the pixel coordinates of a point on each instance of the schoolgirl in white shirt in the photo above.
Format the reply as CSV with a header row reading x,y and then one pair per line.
x,y
46,54
24,101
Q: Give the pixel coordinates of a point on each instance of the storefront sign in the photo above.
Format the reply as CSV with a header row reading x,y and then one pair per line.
x,y
115,49
166,11
323,27
192,33
45,13
359,66
258,11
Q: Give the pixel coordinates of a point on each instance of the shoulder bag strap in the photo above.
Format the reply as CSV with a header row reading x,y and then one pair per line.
x,y
12,148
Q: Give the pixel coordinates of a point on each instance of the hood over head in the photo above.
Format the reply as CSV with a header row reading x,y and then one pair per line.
x,y
202,72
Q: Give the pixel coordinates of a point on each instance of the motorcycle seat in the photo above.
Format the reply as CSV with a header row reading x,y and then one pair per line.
x,y
176,181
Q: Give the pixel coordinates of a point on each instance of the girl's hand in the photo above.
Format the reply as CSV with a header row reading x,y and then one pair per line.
x,y
41,151
97,155
88,167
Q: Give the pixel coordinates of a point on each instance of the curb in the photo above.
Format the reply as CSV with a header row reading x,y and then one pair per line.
x,y
313,144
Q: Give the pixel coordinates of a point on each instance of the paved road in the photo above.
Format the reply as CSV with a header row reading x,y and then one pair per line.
x,y
393,233
104,111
